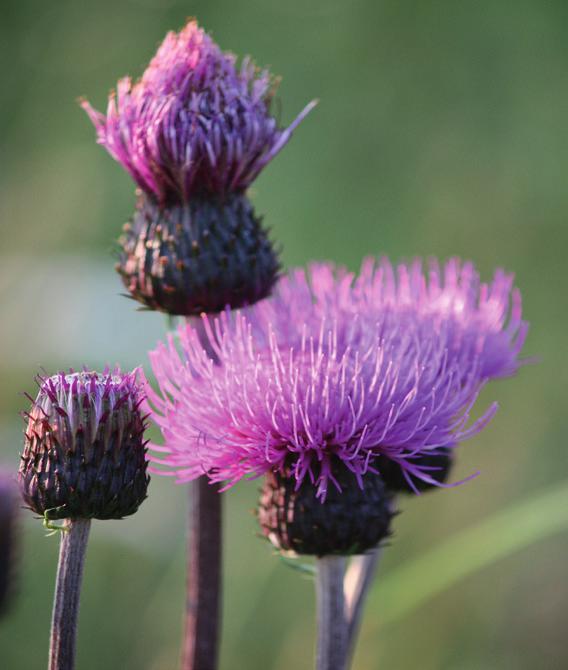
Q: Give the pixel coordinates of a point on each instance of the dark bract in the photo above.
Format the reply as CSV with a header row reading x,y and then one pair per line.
x,y
349,521
201,256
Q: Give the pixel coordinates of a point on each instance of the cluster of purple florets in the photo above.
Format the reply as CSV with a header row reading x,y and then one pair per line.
x,y
335,368
85,400
195,122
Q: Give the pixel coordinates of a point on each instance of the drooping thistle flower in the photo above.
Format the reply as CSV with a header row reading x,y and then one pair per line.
x,y
9,515
321,384
84,458
85,453
194,132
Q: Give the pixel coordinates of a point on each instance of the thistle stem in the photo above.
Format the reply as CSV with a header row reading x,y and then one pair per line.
x,y
203,605
358,580
331,651
204,560
67,592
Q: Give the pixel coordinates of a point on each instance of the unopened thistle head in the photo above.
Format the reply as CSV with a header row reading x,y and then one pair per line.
x,y
336,373
194,132
84,454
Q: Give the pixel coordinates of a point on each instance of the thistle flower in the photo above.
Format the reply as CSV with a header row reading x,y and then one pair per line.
x,y
193,133
385,364
195,122
336,372
84,454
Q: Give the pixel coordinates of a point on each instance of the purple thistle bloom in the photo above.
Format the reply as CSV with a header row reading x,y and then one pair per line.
x,y
195,122
85,454
336,368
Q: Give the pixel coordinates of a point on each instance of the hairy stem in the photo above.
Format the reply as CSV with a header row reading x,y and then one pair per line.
x,y
331,651
203,606
67,593
358,581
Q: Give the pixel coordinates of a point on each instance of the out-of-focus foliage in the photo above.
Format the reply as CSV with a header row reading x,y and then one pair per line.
x,y
441,130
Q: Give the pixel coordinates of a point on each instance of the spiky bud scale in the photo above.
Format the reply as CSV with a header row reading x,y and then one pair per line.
x,y
200,256
353,518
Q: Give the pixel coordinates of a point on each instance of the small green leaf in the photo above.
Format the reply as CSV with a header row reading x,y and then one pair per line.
x,y
295,564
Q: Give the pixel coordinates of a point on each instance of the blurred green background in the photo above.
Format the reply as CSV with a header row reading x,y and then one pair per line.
x,y
441,130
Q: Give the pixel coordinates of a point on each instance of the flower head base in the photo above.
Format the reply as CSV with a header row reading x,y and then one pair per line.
x,y
84,454
194,123
199,257
335,368
352,520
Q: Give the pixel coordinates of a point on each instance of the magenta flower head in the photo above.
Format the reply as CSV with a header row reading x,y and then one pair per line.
x,y
193,133
194,123
334,376
84,454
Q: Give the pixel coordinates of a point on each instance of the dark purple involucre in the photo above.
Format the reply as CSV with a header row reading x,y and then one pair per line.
x,y
194,122
337,368
84,453
201,256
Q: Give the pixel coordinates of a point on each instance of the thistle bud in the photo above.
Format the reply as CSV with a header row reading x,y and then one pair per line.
x,y
352,518
84,454
200,256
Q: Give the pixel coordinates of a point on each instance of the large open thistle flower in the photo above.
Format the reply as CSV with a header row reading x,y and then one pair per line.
x,y
85,453
387,363
194,132
336,373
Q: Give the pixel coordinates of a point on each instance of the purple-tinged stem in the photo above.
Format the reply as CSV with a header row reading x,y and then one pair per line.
x,y
331,650
204,564
203,605
358,580
67,593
